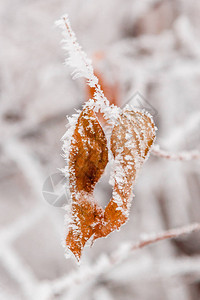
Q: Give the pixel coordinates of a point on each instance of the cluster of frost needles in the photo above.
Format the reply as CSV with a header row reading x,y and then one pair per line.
x,y
150,46
82,67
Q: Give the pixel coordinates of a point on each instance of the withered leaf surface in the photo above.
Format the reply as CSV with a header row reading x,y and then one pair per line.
x,y
88,158
131,139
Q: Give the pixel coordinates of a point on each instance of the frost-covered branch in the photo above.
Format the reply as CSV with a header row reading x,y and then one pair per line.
x,y
106,263
82,66
77,58
123,253
184,155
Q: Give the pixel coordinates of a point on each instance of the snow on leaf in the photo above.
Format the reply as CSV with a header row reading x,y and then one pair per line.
x,y
88,158
86,153
131,139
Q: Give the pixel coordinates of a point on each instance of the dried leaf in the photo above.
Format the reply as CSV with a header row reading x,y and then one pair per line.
x,y
87,160
131,140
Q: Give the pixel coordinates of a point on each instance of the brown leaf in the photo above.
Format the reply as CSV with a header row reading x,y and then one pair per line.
x,y
131,140
87,160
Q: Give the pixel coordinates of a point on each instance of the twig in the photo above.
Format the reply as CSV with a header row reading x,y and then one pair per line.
x,y
78,60
184,155
106,264
119,256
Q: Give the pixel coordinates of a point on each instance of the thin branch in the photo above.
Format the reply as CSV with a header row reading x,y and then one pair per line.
x,y
184,155
122,254
77,57
78,60
106,264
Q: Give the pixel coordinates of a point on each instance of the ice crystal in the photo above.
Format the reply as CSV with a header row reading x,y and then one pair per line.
x,y
87,152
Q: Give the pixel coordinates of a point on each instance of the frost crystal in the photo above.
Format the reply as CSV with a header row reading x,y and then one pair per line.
x,y
87,151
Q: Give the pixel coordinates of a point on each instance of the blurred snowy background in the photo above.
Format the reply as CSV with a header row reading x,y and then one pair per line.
x,y
151,47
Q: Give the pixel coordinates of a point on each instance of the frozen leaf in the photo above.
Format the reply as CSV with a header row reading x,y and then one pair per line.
x,y
88,158
132,136
131,140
